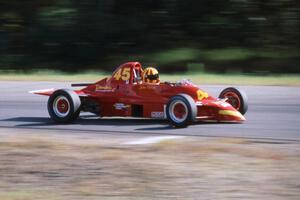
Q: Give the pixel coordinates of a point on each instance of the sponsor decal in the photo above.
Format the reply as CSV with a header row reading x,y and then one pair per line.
x,y
159,115
147,87
104,88
121,106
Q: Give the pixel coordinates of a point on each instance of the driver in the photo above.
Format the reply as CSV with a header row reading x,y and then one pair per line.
x,y
150,75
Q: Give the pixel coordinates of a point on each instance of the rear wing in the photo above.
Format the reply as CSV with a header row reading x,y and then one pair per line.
x,y
45,92
49,92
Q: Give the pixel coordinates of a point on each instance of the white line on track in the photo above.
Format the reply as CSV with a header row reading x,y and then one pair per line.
x,y
152,140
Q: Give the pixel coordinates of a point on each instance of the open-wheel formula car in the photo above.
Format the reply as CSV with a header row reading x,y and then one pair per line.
x,y
134,92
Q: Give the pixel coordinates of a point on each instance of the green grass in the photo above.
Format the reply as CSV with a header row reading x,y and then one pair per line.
x,y
173,55
197,77
226,54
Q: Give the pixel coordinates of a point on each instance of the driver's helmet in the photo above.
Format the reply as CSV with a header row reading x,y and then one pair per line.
x,y
150,75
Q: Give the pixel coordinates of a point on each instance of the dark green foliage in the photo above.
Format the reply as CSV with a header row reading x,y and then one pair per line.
x,y
72,34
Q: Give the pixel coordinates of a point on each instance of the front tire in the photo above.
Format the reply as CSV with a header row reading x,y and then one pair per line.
x,y
181,110
64,106
236,97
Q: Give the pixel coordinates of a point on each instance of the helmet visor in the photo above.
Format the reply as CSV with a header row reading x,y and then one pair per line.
x,y
153,77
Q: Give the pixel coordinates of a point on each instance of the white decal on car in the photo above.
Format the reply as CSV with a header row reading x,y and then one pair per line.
x,y
121,106
159,115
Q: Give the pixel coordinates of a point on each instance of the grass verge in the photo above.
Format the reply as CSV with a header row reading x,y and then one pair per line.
x,y
48,166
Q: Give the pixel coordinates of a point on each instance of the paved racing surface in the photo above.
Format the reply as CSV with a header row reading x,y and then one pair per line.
x,y
274,113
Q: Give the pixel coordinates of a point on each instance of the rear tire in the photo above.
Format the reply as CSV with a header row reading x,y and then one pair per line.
x,y
181,110
64,106
237,98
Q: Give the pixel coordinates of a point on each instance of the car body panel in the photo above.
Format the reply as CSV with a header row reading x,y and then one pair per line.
x,y
125,95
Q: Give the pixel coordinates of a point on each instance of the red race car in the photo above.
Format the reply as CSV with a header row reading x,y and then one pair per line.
x,y
134,92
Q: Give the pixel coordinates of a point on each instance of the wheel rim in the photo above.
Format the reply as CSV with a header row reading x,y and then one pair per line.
x,y
178,111
61,106
233,99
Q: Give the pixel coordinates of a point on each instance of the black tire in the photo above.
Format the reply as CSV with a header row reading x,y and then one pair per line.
x,y
188,104
69,108
237,98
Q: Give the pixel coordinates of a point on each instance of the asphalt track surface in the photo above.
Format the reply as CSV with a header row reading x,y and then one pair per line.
x,y
274,114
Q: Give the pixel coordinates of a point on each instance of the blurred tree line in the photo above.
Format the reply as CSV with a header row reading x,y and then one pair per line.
x,y
215,35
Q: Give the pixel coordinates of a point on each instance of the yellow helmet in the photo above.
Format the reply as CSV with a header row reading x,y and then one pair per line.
x,y
150,75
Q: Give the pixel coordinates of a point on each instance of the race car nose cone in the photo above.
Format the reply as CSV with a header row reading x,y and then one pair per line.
x,y
231,115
